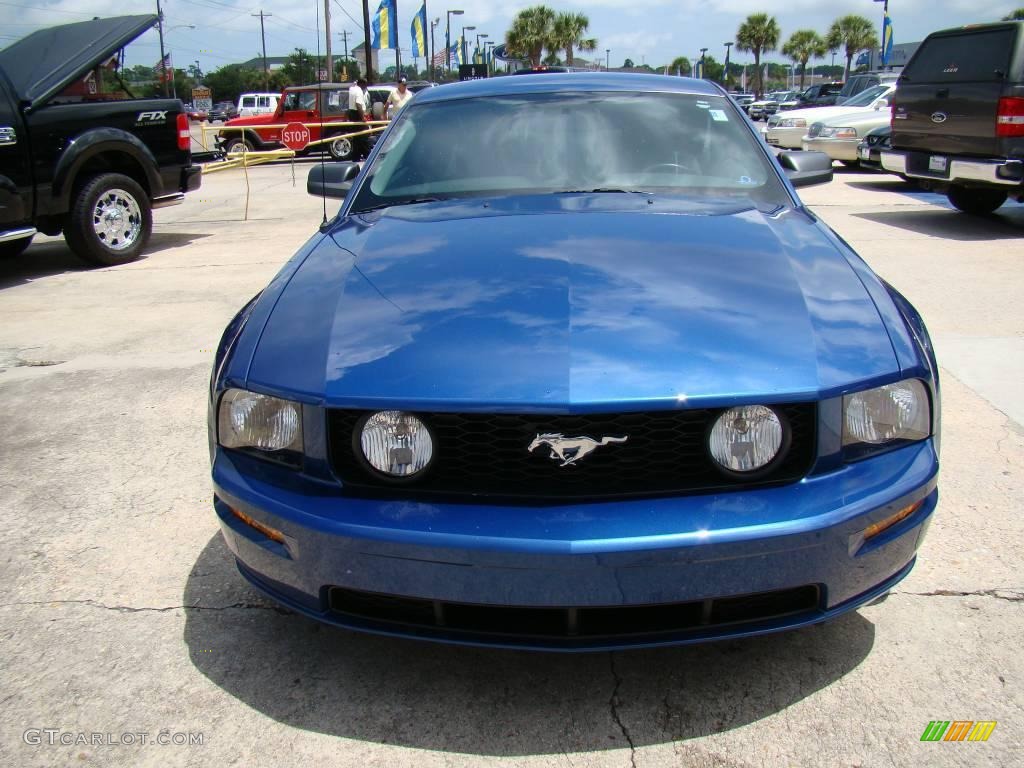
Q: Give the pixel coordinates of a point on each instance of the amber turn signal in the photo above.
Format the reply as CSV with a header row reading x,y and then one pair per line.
x,y
266,530
882,525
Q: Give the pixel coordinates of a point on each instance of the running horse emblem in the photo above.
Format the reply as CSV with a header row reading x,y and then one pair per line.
x,y
569,450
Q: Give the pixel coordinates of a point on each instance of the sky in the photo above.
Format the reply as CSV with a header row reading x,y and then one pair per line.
x,y
646,31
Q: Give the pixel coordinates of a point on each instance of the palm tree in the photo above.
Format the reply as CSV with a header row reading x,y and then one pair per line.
x,y
853,32
1017,15
531,32
680,64
757,34
802,45
568,33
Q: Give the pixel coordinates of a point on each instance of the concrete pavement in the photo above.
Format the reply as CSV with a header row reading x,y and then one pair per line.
x,y
122,611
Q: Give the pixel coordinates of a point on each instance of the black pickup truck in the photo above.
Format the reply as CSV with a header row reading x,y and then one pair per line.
x,y
958,116
79,154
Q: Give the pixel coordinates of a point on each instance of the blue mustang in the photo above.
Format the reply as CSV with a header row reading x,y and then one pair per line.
x,y
573,368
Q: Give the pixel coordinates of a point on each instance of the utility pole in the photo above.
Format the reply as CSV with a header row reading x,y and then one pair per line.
x,y
327,28
344,36
366,42
430,66
263,34
163,58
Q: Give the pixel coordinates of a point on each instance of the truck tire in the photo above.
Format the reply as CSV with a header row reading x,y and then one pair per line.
x,y
342,148
236,143
110,220
14,248
977,202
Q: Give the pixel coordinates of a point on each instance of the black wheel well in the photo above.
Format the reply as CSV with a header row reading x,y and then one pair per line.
x,y
110,162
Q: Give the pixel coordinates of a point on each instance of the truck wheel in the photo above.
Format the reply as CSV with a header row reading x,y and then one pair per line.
x,y
14,248
236,144
342,148
975,201
110,220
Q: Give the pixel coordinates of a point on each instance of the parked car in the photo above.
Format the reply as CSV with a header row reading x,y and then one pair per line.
x,y
250,104
958,116
869,151
743,100
90,166
840,135
820,95
863,81
769,105
523,393
787,129
223,111
310,104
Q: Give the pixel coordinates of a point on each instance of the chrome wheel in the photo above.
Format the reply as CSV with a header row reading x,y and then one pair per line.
x,y
117,219
341,148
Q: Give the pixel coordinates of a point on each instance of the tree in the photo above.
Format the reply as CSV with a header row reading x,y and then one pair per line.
x,y
854,33
628,64
568,33
804,44
302,68
531,32
680,64
758,34
713,70
1017,15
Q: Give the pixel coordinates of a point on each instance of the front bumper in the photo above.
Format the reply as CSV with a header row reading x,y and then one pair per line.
x,y
638,553
999,172
788,138
837,149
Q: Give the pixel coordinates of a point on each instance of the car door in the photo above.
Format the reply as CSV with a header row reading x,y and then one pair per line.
x,y
15,172
948,94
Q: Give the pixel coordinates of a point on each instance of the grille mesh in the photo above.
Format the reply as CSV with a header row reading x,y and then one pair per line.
x,y
486,455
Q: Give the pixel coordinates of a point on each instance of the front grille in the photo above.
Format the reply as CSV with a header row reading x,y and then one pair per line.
x,y
486,455
572,623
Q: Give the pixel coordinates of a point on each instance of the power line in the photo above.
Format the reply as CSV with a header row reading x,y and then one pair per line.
x,y
357,23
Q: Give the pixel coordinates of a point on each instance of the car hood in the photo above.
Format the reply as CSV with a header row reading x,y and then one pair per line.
x,y
860,118
584,304
46,62
817,114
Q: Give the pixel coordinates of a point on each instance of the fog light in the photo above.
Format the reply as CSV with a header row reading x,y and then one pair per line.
x,y
266,530
747,438
883,525
396,443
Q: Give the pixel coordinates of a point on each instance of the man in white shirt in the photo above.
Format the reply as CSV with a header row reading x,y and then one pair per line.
x,y
358,107
398,98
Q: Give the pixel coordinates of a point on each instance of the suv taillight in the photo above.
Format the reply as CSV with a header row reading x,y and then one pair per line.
x,y
1010,117
184,137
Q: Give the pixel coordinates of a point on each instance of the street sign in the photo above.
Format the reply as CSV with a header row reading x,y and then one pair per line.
x,y
322,74
202,100
295,136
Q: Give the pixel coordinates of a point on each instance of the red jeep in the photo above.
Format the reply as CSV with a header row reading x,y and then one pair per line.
x,y
299,104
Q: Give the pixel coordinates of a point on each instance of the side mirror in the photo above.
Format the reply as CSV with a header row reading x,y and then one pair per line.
x,y
806,168
882,104
331,180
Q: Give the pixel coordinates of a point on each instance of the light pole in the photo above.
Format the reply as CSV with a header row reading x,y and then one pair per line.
x,y
607,59
488,54
702,52
433,52
728,45
448,40
463,46
174,86
478,41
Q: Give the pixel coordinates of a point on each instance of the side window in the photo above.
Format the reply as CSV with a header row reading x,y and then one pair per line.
x,y
264,102
249,102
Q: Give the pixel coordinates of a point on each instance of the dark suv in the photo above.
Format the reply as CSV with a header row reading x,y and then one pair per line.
x,y
958,116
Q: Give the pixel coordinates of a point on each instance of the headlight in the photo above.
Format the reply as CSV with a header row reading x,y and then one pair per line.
x,y
747,438
792,122
252,420
396,443
897,411
838,133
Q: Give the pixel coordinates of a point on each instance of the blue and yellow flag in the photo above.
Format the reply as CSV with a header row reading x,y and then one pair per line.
x,y
385,32
459,45
886,40
419,33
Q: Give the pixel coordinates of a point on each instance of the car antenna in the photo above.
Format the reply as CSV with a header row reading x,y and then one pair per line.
x,y
320,110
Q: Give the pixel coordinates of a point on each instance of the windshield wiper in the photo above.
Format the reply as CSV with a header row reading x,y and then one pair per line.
x,y
407,201
602,189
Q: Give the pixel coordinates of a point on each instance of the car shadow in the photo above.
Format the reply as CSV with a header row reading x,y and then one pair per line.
x,y
53,257
495,702
1005,224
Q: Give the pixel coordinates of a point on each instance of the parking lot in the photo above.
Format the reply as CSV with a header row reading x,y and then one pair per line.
x,y
123,611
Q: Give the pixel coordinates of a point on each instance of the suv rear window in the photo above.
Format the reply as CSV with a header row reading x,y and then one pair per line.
x,y
981,56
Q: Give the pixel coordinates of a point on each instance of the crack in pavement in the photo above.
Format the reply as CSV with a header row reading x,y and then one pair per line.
x,y
1010,595
613,704
144,609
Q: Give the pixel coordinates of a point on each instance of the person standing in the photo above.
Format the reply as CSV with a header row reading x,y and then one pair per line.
x,y
398,98
358,108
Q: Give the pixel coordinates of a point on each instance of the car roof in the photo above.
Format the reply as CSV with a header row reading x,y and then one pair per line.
x,y
569,82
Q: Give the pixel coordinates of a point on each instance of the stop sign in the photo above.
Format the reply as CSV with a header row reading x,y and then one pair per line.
x,y
295,136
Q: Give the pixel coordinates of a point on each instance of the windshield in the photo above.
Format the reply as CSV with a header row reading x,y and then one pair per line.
x,y
679,144
864,98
